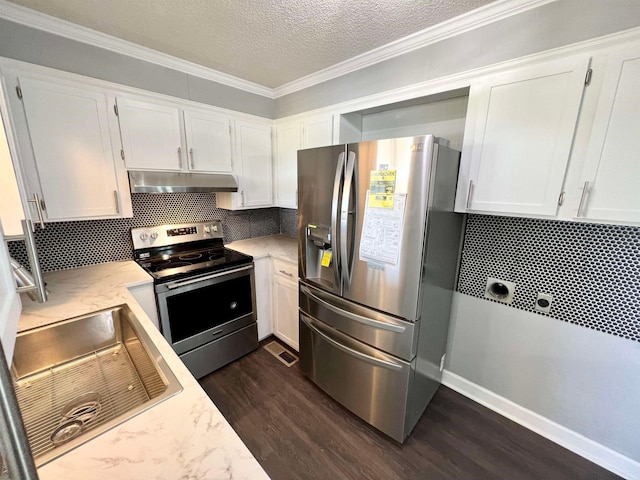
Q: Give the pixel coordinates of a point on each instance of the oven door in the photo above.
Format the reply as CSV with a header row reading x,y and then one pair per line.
x,y
198,310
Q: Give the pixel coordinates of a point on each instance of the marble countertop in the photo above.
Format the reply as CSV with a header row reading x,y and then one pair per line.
x,y
184,436
277,246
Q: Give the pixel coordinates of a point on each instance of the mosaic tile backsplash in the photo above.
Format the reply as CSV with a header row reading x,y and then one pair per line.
x,y
592,270
64,245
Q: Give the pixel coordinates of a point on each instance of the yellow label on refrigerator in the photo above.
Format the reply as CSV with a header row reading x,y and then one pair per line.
x,y
326,258
382,186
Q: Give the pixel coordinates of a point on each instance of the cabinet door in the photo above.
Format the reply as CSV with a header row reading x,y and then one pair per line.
x,y
524,125
71,141
611,175
11,210
151,136
253,153
208,141
285,311
317,131
286,151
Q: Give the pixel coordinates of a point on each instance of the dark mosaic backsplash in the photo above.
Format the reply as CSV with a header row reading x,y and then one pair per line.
x,y
592,270
64,245
289,222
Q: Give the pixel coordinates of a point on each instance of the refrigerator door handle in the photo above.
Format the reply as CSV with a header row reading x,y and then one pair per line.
x,y
350,351
344,216
358,318
337,183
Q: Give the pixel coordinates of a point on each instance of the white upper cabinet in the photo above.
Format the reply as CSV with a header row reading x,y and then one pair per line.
x,y
208,141
317,131
252,167
163,137
610,178
70,144
151,135
291,136
519,132
288,141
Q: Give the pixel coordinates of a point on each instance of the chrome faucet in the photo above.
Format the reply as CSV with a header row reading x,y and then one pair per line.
x,y
32,285
25,281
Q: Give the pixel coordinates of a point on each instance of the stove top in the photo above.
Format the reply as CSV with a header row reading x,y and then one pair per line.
x,y
178,251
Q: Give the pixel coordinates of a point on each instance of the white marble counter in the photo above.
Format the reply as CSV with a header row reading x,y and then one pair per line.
x,y
277,246
185,436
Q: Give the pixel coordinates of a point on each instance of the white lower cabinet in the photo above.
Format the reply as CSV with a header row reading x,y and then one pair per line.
x,y
285,302
262,274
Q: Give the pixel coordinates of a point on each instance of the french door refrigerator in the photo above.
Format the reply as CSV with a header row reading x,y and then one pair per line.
x,y
378,246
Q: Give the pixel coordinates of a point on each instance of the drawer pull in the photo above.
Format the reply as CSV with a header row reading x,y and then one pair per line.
x,y
286,273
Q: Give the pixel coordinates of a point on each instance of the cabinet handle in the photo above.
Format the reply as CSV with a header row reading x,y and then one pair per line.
x,y
191,157
180,157
115,196
286,273
469,194
585,190
38,204
242,198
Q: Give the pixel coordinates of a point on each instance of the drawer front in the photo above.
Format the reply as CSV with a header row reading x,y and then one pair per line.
x,y
368,382
285,269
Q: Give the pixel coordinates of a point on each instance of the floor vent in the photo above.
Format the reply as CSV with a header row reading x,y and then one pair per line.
x,y
281,353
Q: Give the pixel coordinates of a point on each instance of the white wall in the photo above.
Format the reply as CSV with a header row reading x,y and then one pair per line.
x,y
582,379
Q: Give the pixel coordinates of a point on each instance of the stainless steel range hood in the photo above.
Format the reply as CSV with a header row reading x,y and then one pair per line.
x,y
172,182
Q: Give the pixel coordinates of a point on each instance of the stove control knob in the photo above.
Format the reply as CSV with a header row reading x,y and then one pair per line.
x,y
214,228
207,229
144,236
154,235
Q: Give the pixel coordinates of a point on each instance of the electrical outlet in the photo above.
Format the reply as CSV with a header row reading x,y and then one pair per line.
x,y
543,302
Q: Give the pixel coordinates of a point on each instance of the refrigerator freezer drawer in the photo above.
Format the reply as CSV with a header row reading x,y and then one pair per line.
x,y
370,383
383,332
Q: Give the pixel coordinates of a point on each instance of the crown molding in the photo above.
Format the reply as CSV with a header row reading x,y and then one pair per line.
x,y
485,15
482,16
31,18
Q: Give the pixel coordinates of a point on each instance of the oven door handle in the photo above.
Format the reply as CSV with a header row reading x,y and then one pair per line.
x,y
171,286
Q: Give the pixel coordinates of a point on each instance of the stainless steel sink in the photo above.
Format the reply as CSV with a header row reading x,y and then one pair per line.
x,y
77,378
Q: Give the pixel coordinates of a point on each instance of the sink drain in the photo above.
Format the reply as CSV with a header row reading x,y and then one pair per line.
x,y
66,431
75,415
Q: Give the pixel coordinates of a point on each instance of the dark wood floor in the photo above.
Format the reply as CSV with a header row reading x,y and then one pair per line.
x,y
297,432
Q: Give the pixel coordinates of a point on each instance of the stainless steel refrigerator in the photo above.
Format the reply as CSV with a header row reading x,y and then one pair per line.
x,y
378,246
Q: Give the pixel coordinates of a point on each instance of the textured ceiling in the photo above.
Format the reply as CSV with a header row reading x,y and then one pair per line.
x,y
268,42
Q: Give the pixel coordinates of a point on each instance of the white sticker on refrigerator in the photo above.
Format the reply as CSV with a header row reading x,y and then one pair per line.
x,y
382,231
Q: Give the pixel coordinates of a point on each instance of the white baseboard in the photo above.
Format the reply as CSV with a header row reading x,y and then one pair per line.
x,y
579,444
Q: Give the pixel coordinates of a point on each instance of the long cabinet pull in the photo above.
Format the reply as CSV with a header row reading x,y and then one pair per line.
x,y
36,201
242,198
469,193
585,191
117,199
191,158
180,157
353,316
350,351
